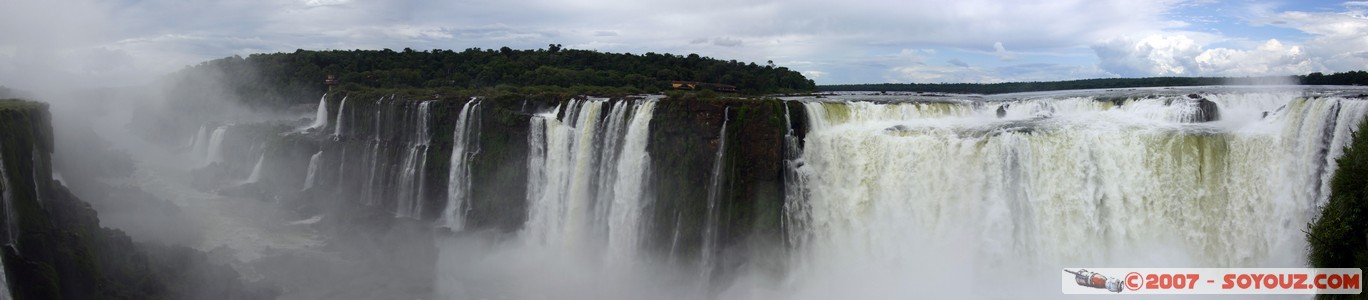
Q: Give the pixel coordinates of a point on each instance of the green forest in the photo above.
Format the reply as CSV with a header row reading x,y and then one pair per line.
x,y
299,76
1345,78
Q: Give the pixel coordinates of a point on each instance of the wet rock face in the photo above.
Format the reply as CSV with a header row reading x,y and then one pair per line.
x,y
685,137
1206,111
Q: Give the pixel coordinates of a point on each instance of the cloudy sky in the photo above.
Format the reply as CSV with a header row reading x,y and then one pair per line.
x,y
852,41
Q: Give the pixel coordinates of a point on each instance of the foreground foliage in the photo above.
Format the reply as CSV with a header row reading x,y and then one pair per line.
x,y
1339,237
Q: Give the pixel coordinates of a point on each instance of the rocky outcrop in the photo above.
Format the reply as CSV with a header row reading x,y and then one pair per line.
x,y
1207,111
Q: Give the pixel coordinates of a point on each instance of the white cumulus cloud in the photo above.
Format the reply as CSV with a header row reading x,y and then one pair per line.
x,y
1002,53
1271,58
1152,55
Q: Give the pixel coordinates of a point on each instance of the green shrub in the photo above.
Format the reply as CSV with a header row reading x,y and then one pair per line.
x,y
1339,237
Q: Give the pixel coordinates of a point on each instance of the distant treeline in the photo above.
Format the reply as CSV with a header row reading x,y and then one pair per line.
x,y
299,76
1346,78
6,92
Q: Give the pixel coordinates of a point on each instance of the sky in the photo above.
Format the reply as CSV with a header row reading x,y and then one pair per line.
x,y
119,42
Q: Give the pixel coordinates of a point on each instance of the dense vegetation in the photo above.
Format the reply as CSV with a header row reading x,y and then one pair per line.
x,y
1337,238
1346,78
298,76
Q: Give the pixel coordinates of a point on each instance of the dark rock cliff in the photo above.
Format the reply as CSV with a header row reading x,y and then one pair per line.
x,y
684,140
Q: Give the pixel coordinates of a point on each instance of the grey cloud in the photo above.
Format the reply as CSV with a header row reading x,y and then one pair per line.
x,y
726,42
958,63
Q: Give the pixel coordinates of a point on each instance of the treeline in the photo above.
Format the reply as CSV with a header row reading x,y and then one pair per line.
x,y
6,92
1346,78
299,76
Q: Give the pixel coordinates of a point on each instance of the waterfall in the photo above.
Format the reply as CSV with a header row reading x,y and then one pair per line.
x,y
200,147
414,167
321,116
536,156
313,170
7,196
606,166
794,201
11,223
464,145
5,293
256,170
342,167
215,152
341,109
587,178
715,194
625,224
559,217
942,195
372,190
38,189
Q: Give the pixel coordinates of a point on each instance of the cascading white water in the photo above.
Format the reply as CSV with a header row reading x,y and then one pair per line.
x,y
256,170
911,200
11,223
374,177
715,194
587,182
321,115
795,204
413,169
464,145
215,152
341,109
314,162
624,226
200,147
559,217
7,197
606,165
38,189
5,293
587,171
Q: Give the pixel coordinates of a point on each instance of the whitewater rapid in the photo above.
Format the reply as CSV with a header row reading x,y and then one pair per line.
x,y
921,199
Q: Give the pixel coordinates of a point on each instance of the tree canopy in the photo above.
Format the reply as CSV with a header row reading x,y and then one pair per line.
x,y
299,76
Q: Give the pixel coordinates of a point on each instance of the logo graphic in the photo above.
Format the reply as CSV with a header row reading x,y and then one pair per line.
x,y
1212,281
1094,280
